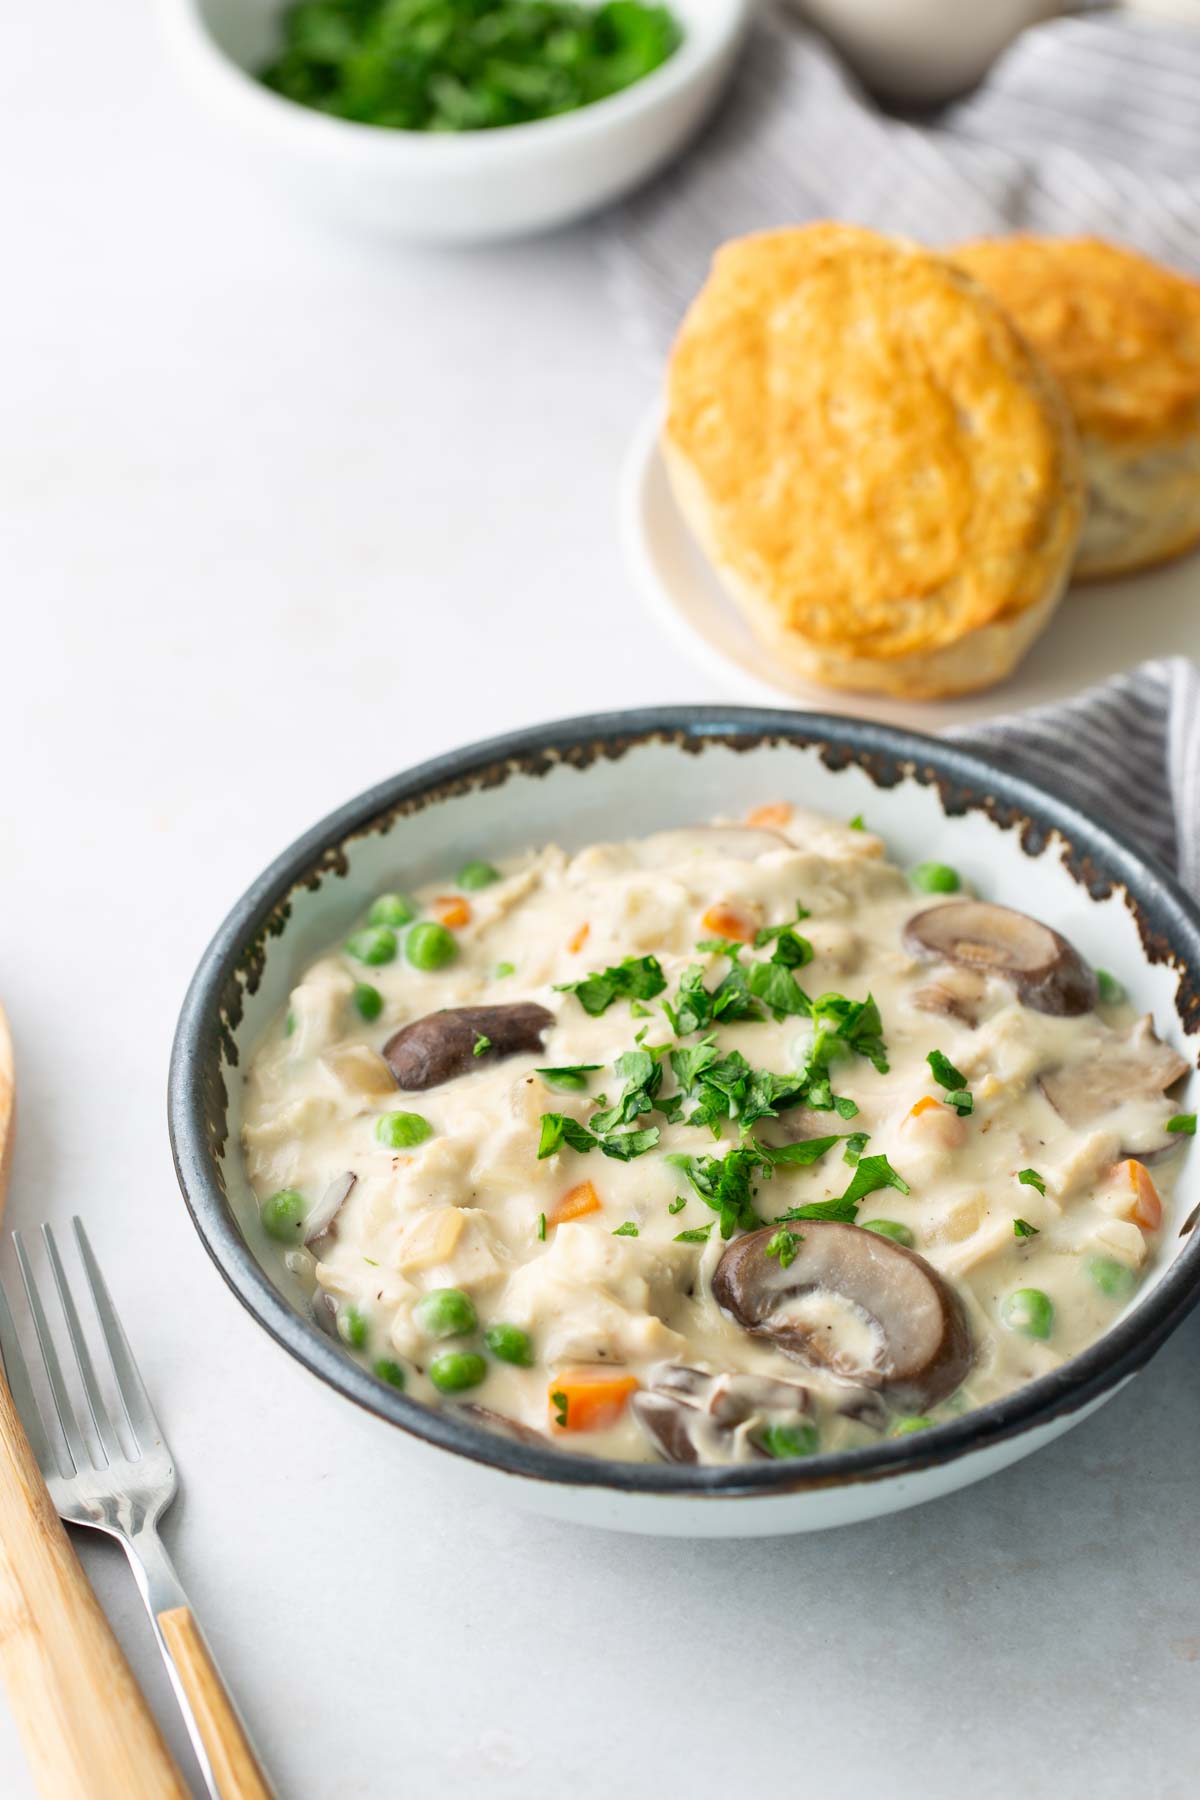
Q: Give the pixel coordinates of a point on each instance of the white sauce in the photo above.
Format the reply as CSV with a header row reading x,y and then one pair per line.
x,y
462,1209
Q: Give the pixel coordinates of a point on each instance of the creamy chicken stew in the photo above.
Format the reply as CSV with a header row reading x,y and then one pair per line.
x,y
733,1142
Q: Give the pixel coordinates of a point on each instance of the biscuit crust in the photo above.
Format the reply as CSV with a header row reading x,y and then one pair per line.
x,y
1122,335
877,464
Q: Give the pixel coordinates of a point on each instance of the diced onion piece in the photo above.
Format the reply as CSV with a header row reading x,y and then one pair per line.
x,y
359,1070
430,1239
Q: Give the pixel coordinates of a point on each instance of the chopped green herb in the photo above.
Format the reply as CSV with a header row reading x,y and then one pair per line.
x,y
1031,1178
800,1155
783,1245
482,1045
642,1076
571,1078
505,968
944,1071
858,823
559,1402
697,1235
839,1209
464,65
769,933
891,1228
1023,1229
914,1422
873,1173
1183,1123
1111,991
636,978
289,1024
371,1260
725,1185
558,1129
628,1229
541,1228
678,1203
856,1143
638,1011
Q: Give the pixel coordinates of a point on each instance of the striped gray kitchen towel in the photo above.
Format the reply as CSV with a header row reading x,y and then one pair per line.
x,y
1127,751
1086,124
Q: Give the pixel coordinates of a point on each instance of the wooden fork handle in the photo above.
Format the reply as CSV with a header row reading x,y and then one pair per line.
x,y
86,1728
235,1767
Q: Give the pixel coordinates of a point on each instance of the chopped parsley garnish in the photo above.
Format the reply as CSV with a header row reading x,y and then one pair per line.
x,y
1184,1123
678,1203
696,1007
628,1229
858,823
856,1143
1031,1178
697,1235
642,1074
541,1228
571,1078
873,1173
1111,991
503,969
1023,1229
636,978
768,934
559,1402
839,1209
638,1011
947,1076
785,1245
725,1185
559,1129
800,1155
482,1045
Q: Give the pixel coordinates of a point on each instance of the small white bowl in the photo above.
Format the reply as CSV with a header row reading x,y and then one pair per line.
x,y
464,187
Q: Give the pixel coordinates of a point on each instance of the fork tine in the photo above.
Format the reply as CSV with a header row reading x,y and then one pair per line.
x,y
58,1387
100,1419
134,1398
21,1389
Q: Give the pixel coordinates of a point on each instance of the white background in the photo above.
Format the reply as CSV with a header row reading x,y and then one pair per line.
x,y
284,513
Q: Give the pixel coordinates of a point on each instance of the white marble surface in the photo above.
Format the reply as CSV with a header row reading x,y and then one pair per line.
x,y
282,514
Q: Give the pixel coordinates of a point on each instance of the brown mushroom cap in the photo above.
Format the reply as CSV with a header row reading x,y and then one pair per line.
x,y
442,1044
1047,972
923,1344
1135,1067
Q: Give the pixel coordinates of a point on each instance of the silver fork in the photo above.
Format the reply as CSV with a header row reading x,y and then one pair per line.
x,y
124,1494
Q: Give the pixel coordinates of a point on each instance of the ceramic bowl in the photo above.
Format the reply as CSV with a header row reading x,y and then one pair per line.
x,y
613,776
463,187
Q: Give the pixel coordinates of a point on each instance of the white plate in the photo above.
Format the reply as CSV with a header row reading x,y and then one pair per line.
x,y
1098,630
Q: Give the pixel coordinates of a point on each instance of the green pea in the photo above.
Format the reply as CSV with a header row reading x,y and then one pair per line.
x,y
1030,1311
475,875
935,878
431,946
789,1440
445,1312
1111,1277
368,1001
891,1228
455,1370
374,944
392,909
283,1216
902,1427
402,1130
391,1372
1111,991
352,1326
508,1343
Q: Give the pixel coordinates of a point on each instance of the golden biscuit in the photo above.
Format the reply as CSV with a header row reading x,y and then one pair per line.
x,y
879,468
1122,335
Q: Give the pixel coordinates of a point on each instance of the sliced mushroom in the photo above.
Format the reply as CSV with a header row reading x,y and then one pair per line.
x,y
1136,1067
495,1421
443,1044
324,1308
680,1407
958,994
921,1347
320,1227
1048,973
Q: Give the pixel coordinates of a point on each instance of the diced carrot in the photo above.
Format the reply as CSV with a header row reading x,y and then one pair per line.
x,y
590,1399
576,1203
771,818
580,938
1145,1208
922,1105
452,910
727,920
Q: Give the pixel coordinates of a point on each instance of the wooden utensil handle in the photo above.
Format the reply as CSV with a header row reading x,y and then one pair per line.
x,y
86,1728
234,1764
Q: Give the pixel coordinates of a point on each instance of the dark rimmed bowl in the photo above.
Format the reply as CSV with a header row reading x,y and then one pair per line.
x,y
616,775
